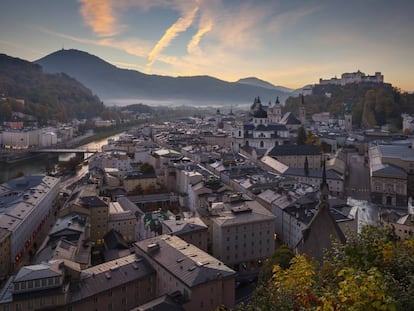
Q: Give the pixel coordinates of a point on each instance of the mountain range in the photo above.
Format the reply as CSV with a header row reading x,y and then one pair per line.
x,y
116,85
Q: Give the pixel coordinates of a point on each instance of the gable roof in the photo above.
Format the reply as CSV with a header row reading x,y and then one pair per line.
x,y
290,119
35,272
185,261
319,234
288,150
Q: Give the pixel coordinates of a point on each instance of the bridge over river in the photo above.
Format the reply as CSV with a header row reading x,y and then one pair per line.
x,y
66,150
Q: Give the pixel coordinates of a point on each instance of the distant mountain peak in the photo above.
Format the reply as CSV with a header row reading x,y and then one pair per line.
x,y
261,83
110,82
72,56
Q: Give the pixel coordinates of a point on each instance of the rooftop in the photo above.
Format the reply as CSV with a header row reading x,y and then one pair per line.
x,y
288,150
109,275
185,261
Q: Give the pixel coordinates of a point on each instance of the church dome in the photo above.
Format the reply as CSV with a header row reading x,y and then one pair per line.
x,y
260,113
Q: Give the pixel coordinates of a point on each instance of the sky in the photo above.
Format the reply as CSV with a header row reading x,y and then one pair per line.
x,y
285,42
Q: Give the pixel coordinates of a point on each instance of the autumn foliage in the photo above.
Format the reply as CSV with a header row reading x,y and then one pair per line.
x,y
372,271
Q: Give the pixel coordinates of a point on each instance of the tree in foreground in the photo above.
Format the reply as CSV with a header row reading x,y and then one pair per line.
x,y
372,271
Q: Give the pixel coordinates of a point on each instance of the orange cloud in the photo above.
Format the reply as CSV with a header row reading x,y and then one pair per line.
x,y
180,25
100,16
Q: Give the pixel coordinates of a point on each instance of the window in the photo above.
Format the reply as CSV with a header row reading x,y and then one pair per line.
x,y
95,299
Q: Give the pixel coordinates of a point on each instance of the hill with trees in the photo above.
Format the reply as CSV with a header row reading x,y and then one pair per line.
x,y
46,96
372,271
372,104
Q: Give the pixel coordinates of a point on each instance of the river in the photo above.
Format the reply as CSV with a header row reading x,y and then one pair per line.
x,y
37,165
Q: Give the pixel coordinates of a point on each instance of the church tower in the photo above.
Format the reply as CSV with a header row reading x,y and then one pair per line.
x,y
302,111
275,112
348,118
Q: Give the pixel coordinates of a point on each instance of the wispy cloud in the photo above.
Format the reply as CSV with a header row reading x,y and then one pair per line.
x,y
288,18
131,46
100,16
182,24
21,46
193,45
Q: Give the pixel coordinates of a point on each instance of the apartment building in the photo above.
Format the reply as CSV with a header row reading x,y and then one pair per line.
x,y
121,284
192,230
242,231
203,282
25,204
391,174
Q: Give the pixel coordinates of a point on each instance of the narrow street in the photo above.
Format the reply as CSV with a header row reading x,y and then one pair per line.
x,y
357,183
357,190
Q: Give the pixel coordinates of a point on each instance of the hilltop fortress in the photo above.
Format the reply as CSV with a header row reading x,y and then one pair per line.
x,y
354,77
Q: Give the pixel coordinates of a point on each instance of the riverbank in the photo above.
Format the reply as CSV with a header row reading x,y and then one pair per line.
x,y
103,133
13,157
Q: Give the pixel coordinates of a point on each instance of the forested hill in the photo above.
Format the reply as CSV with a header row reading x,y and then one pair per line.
x,y
46,96
372,104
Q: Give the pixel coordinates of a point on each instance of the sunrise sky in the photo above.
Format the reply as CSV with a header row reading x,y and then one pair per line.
x,y
285,42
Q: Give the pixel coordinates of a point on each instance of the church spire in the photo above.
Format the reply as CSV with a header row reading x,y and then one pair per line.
x,y
277,100
324,188
324,173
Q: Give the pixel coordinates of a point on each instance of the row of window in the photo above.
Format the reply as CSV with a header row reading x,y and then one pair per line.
x,y
36,283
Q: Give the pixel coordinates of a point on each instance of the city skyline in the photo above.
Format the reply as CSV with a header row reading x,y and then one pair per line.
x,y
288,43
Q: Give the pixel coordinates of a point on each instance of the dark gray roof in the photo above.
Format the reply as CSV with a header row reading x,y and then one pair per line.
x,y
163,303
320,233
330,174
109,275
36,272
290,119
287,150
182,227
92,201
114,240
388,169
271,127
153,198
260,113
187,262
139,175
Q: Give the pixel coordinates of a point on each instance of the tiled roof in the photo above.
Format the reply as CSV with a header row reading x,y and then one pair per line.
x,y
109,275
36,272
287,150
330,174
289,118
92,201
139,175
180,227
185,261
